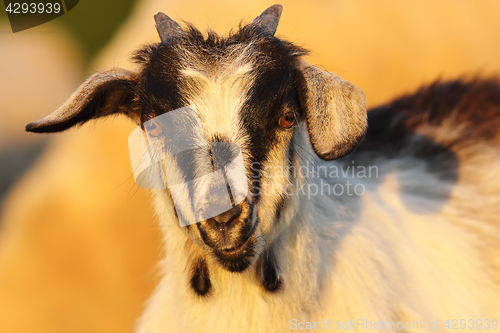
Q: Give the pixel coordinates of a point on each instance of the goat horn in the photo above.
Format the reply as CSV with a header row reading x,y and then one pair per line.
x,y
167,28
269,19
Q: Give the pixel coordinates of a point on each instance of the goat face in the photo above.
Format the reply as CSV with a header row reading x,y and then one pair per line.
x,y
250,90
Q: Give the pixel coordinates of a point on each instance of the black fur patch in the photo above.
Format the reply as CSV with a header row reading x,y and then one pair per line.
x,y
471,107
453,115
200,280
475,103
270,272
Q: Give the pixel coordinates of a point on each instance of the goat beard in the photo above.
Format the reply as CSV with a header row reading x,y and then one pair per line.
x,y
267,269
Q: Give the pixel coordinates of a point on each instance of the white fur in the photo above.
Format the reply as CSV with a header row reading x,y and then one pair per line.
x,y
343,259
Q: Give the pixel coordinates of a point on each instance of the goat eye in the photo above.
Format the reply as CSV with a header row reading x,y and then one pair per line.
x,y
288,120
152,128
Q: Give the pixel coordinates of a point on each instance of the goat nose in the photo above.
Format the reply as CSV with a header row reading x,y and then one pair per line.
x,y
227,217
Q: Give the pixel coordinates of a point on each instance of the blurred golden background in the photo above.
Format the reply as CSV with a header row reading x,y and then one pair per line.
x,y
78,241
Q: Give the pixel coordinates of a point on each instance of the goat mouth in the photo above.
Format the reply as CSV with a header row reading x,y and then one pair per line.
x,y
239,257
235,249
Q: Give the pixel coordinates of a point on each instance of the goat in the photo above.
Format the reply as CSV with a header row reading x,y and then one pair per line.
x,y
413,243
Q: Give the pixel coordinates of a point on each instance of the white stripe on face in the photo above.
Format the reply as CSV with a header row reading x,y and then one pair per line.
x,y
219,89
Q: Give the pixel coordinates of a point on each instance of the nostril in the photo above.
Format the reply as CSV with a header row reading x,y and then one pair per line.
x,y
228,216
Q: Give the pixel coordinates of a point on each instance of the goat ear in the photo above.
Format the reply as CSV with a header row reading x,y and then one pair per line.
x,y
335,112
108,92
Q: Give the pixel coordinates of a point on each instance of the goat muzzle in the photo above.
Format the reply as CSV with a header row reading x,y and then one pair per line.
x,y
231,236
